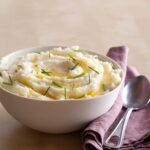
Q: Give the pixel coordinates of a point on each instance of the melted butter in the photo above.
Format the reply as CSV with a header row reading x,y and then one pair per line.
x,y
61,67
59,73
92,93
40,76
83,64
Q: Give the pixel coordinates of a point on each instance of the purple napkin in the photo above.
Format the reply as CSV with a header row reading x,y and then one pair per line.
x,y
137,136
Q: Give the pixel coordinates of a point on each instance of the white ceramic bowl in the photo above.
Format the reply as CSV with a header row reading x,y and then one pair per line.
x,y
56,116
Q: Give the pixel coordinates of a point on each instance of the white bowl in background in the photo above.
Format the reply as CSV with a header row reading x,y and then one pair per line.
x,y
56,116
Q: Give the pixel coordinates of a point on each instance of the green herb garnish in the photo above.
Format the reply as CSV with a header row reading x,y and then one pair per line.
x,y
103,87
89,75
37,52
79,50
81,96
49,54
7,83
96,57
19,66
65,93
93,69
10,82
78,76
46,90
72,57
74,67
45,72
56,84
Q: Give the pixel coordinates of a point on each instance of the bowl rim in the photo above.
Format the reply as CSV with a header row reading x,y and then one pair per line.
x,y
45,48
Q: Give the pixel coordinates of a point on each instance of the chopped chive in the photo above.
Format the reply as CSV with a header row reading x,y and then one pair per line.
x,y
81,96
72,57
89,75
19,66
10,79
49,54
78,76
65,93
45,72
103,87
96,57
56,84
8,83
93,69
74,66
37,52
46,90
79,50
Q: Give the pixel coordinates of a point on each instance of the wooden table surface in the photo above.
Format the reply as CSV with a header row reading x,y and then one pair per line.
x,y
95,25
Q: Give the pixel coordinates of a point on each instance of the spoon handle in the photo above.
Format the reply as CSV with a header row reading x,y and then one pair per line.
x,y
115,139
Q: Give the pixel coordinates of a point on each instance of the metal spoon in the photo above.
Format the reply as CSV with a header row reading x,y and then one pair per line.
x,y
136,95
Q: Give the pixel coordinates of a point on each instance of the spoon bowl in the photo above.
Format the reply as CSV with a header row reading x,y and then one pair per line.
x,y
136,95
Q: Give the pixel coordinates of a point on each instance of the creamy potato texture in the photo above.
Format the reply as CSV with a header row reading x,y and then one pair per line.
x,y
59,74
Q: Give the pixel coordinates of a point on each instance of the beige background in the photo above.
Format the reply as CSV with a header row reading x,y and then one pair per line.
x,y
92,24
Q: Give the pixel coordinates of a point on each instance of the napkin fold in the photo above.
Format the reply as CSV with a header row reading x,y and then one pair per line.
x,y
137,135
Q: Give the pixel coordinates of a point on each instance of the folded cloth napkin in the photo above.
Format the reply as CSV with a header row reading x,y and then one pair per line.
x,y
137,135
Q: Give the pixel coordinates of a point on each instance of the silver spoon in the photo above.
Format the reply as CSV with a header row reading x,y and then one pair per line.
x,y
136,95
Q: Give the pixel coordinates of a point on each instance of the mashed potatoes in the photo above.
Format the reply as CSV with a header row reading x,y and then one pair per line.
x,y
60,73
